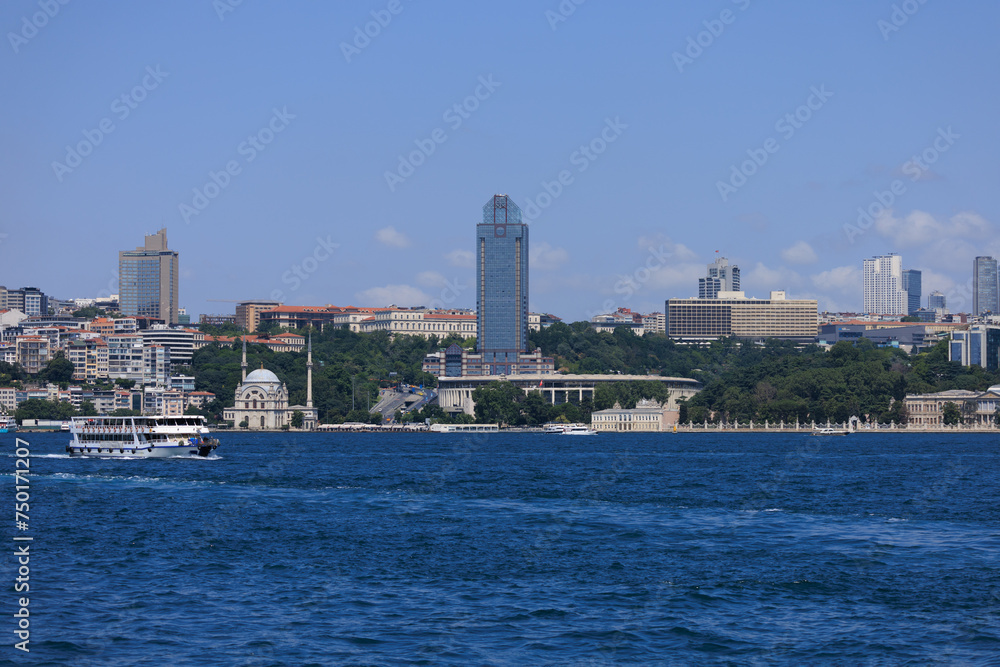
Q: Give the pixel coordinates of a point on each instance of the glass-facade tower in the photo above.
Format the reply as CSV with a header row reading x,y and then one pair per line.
x,y
501,285
985,287
147,280
912,284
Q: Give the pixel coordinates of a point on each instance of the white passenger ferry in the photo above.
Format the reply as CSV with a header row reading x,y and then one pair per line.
x,y
145,437
7,424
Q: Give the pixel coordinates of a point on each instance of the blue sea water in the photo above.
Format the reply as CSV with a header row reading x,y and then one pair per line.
x,y
510,549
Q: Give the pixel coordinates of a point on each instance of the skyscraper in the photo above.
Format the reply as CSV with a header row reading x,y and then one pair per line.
x,y
883,284
147,280
936,300
501,285
911,283
985,287
721,278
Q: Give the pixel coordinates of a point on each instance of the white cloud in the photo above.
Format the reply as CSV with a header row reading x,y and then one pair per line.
x,y
761,280
800,253
464,259
544,257
921,228
392,295
841,279
389,236
430,279
663,246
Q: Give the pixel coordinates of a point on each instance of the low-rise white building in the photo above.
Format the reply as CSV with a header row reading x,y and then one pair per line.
x,y
647,415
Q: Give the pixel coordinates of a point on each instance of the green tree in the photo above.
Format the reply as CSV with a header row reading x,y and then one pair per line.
x,y
36,408
87,408
498,402
58,370
89,312
125,383
298,418
245,423
125,412
950,414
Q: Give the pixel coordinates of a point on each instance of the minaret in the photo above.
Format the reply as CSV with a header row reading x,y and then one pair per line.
x,y
309,374
244,364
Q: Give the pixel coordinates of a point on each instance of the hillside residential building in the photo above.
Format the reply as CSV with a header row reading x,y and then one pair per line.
x,y
89,358
248,313
33,352
125,360
181,342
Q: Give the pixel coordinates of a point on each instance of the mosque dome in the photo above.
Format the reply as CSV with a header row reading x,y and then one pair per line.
x,y
262,375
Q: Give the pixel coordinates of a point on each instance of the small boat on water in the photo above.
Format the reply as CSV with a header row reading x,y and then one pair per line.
x,y
831,431
7,424
578,429
142,437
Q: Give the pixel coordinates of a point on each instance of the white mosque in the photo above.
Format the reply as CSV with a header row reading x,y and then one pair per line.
x,y
262,399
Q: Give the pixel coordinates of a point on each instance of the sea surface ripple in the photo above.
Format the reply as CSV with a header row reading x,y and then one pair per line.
x,y
512,549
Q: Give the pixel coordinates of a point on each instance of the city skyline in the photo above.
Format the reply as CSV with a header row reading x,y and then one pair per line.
x,y
826,147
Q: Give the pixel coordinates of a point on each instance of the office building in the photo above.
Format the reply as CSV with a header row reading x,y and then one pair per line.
x,y
721,277
248,313
147,280
29,300
883,285
501,285
733,314
979,345
911,283
936,301
985,288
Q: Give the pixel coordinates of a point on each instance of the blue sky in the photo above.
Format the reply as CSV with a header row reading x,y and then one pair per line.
x,y
314,219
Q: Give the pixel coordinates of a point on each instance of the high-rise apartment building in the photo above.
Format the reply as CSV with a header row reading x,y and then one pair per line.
x,y
147,280
985,287
911,283
721,277
883,285
501,285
